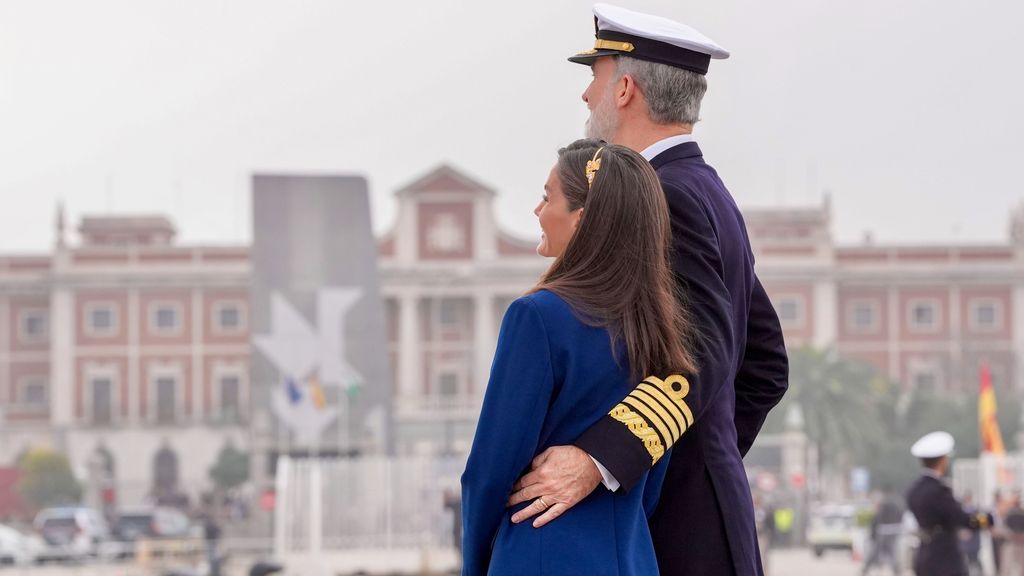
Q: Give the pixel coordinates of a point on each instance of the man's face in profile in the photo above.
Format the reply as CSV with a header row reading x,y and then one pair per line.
x,y
603,119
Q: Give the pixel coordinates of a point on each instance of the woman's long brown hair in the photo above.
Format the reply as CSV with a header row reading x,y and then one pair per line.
x,y
615,270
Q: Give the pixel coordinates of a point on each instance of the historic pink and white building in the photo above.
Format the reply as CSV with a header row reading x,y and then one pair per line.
x,y
925,316
124,347
128,344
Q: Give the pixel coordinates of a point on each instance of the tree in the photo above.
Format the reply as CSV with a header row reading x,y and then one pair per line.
x,y
231,469
47,480
859,418
840,400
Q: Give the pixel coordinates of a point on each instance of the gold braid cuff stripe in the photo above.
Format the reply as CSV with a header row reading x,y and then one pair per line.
x,y
661,415
665,418
638,426
652,418
676,388
677,421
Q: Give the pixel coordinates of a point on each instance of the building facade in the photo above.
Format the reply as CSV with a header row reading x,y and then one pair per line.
x,y
927,317
132,351
128,353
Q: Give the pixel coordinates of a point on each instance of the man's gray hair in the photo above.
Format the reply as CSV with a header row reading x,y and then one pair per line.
x,y
673,94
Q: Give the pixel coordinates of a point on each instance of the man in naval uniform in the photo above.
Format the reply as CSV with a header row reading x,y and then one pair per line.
x,y
648,82
939,516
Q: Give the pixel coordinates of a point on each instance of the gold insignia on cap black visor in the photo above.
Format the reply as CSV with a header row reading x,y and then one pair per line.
x,y
613,45
610,43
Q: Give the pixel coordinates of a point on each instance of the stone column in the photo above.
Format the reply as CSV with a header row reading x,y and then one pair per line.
x,y
198,370
1017,333
410,358
826,313
484,340
62,356
135,383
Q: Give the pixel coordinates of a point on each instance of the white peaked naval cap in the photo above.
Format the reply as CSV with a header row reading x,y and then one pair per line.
x,y
622,32
933,445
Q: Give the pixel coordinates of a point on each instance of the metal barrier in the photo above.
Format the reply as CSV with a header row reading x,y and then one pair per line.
x,y
370,514
185,549
983,476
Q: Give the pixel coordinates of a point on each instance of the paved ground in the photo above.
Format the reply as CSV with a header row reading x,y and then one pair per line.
x,y
801,562
796,562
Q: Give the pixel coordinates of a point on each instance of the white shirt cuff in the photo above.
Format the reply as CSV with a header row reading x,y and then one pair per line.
x,y
607,479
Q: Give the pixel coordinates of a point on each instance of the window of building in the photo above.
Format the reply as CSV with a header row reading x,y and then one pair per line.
x,y
985,315
790,310
102,404
101,320
165,318
863,316
166,400
33,393
34,326
448,385
924,315
230,318
448,312
230,391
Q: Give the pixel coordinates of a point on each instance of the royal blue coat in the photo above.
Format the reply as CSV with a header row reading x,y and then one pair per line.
x,y
553,376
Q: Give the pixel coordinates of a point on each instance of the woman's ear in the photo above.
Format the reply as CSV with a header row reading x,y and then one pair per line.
x,y
576,217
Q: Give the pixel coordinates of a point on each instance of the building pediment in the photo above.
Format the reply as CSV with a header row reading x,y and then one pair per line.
x,y
445,180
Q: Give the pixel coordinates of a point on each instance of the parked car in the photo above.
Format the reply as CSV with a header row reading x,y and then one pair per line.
x,y
832,527
71,533
18,548
151,522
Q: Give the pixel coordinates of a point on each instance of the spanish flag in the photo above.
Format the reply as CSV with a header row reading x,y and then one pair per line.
x,y
991,439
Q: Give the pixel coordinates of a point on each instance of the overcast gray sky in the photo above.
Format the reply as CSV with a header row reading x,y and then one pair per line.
x,y
909,111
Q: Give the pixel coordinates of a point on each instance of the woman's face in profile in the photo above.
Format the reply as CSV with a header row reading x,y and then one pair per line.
x,y
557,222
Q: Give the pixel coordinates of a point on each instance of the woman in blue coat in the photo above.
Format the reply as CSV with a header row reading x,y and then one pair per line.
x,y
602,318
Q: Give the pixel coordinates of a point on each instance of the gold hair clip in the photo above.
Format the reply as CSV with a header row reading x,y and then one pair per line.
x,y
593,165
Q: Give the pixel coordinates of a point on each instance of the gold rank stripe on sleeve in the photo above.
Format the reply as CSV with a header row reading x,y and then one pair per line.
x,y
676,388
639,427
656,412
666,404
652,418
668,419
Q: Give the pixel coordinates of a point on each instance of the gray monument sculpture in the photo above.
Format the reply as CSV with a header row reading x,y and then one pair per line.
x,y
321,382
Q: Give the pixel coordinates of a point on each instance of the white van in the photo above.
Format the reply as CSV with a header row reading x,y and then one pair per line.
x,y
71,533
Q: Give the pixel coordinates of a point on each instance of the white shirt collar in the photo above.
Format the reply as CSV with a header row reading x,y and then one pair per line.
x,y
660,146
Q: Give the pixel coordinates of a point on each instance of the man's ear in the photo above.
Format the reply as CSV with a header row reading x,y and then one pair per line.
x,y
625,91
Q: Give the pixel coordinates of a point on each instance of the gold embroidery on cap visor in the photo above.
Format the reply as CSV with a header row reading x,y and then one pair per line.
x,y
613,45
608,45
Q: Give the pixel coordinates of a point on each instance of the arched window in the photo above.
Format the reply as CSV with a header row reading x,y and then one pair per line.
x,y
165,474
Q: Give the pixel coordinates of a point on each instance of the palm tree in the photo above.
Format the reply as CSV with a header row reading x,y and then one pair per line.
x,y
840,400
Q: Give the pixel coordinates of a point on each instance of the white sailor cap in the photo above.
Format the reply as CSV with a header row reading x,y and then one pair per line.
x,y
933,445
622,32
